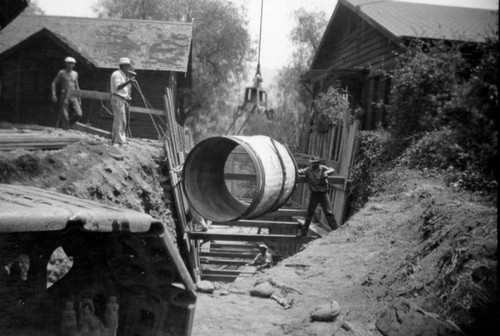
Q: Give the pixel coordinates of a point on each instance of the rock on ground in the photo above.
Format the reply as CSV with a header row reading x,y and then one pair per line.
x,y
205,286
326,313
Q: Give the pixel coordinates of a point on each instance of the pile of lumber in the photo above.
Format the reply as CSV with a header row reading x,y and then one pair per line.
x,y
34,139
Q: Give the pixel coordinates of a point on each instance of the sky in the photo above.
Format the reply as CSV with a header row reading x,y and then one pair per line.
x,y
277,19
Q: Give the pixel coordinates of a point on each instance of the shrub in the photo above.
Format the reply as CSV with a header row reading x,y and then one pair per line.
x,y
329,107
444,100
370,156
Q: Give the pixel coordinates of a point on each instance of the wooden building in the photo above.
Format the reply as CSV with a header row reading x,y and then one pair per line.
x,y
363,36
33,49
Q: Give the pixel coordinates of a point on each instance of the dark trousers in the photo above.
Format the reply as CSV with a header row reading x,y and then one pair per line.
x,y
323,200
69,112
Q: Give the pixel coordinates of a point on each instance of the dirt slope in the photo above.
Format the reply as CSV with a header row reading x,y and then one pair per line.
x,y
92,169
418,240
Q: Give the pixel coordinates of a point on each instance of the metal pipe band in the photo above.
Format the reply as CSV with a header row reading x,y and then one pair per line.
x,y
205,184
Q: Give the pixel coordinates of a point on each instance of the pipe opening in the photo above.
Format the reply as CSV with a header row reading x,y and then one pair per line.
x,y
232,177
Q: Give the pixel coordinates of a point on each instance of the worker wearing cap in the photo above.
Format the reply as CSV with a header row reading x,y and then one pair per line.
x,y
317,181
121,88
263,259
69,107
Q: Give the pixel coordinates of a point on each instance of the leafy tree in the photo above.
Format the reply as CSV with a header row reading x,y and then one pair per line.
x,y
293,99
33,8
221,49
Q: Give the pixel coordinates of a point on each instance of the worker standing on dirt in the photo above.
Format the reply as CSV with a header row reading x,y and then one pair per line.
x,y
69,107
121,88
263,259
317,181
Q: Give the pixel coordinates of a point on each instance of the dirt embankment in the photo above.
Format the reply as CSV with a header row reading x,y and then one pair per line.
x,y
130,176
417,240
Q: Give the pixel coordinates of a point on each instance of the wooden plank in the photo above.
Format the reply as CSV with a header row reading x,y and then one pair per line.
x,y
87,94
331,179
213,261
28,127
318,230
227,255
252,251
240,177
91,130
207,271
241,245
241,237
284,213
218,277
260,224
136,109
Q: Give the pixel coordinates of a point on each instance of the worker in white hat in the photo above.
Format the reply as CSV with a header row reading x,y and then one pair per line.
x,y
121,88
263,259
69,107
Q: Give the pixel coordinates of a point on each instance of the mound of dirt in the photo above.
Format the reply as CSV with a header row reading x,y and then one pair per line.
x,y
418,240
131,176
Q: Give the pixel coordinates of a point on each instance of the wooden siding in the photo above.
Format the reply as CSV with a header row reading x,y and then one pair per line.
x,y
25,95
359,47
363,47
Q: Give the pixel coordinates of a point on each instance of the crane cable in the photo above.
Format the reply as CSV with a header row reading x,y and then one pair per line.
x,y
260,37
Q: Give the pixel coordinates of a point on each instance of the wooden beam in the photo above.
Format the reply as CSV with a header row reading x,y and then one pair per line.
x,y
242,237
207,271
260,224
252,251
136,109
241,245
87,94
240,177
300,178
284,212
228,255
219,277
232,262
91,130
337,179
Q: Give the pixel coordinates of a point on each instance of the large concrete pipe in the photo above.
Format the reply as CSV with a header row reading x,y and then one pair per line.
x,y
205,183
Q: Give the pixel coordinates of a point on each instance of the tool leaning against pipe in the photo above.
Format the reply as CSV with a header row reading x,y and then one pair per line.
x,y
120,84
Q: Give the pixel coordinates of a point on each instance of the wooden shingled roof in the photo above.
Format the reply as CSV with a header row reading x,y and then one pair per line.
x,y
151,45
417,20
402,20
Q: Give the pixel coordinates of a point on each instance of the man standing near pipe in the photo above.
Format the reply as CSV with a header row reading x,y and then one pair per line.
x,y
317,181
121,87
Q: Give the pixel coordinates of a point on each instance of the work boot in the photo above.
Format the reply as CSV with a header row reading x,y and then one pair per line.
x,y
303,231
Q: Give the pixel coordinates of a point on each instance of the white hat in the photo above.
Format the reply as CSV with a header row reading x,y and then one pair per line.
x,y
124,60
263,246
69,60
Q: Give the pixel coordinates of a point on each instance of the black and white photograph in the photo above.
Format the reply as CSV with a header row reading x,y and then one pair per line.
x,y
249,168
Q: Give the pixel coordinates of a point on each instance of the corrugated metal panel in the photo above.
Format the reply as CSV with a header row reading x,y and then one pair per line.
x,y
151,45
25,209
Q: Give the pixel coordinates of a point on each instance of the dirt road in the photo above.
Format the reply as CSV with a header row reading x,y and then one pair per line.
x,y
362,266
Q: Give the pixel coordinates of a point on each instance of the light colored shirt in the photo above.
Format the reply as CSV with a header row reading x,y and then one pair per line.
x,y
262,259
117,78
